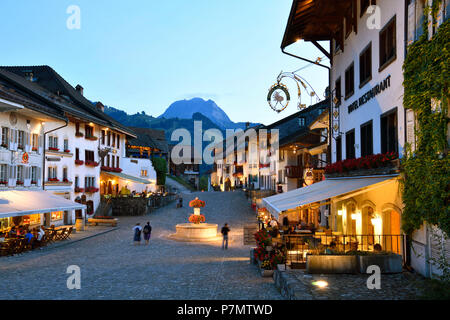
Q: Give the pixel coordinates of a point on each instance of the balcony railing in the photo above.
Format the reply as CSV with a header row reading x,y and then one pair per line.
x,y
294,171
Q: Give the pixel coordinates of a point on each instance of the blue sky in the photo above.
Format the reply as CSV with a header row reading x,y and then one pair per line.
x,y
142,55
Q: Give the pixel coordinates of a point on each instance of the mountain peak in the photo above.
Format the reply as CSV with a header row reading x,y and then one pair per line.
x,y
185,109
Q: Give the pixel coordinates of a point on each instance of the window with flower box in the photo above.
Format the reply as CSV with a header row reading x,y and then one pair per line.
x,y
20,175
3,174
389,141
65,175
34,175
34,142
21,140
52,174
350,144
89,131
53,143
366,139
77,130
66,145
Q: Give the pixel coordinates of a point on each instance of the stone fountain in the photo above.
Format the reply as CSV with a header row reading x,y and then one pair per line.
x,y
196,230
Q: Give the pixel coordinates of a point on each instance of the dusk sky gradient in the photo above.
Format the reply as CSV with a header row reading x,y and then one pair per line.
x,y
143,55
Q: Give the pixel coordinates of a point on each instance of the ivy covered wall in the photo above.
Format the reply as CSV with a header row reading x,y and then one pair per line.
x,y
426,176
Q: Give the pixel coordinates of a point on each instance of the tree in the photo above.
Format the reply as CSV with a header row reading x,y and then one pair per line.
x,y
160,166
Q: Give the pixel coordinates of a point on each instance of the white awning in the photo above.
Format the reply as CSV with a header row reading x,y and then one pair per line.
x,y
19,203
318,192
125,176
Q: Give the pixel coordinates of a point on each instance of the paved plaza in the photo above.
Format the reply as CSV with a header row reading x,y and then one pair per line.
x,y
112,268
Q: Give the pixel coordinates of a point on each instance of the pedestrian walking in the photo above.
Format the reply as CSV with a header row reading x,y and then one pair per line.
x,y
225,231
137,234
147,232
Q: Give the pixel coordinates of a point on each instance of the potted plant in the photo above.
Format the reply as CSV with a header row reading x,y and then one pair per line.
x,y
196,204
197,218
79,162
266,268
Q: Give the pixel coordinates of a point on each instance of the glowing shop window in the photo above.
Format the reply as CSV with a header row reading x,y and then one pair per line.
x,y
32,219
57,215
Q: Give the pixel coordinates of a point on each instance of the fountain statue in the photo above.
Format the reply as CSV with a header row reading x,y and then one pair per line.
x,y
196,230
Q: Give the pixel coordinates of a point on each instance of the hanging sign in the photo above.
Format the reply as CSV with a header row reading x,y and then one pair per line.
x,y
278,97
25,157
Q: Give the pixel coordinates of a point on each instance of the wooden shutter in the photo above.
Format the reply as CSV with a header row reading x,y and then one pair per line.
x,y
40,144
38,175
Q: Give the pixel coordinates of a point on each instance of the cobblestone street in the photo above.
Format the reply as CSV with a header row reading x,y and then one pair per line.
x,y
112,268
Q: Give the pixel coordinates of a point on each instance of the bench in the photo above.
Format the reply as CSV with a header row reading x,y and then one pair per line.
x,y
95,222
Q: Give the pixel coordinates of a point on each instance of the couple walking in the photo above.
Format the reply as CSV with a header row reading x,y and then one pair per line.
x,y
147,231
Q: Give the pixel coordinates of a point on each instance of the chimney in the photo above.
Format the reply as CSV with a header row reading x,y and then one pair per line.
x,y
100,106
247,124
79,89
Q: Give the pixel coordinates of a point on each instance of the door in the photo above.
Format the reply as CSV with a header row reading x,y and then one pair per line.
x,y
395,231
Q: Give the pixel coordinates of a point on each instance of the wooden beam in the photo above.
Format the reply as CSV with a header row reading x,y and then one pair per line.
x,y
325,52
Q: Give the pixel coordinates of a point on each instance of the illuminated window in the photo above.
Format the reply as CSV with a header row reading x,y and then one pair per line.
x,y
57,215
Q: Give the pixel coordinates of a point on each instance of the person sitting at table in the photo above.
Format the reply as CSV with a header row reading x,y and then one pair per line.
x,y
40,236
331,249
29,236
274,223
13,232
291,230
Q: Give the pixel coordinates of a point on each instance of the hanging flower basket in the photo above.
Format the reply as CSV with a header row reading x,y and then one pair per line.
x,y
79,189
196,218
196,203
79,162
53,149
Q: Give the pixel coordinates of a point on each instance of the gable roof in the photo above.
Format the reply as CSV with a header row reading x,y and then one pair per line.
x,y
147,137
49,85
289,128
12,94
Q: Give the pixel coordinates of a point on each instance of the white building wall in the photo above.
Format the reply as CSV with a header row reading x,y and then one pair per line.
x,y
385,101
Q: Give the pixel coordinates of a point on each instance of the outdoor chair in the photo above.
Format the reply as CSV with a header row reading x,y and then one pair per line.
x,y
60,234
67,233
20,246
7,248
52,235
